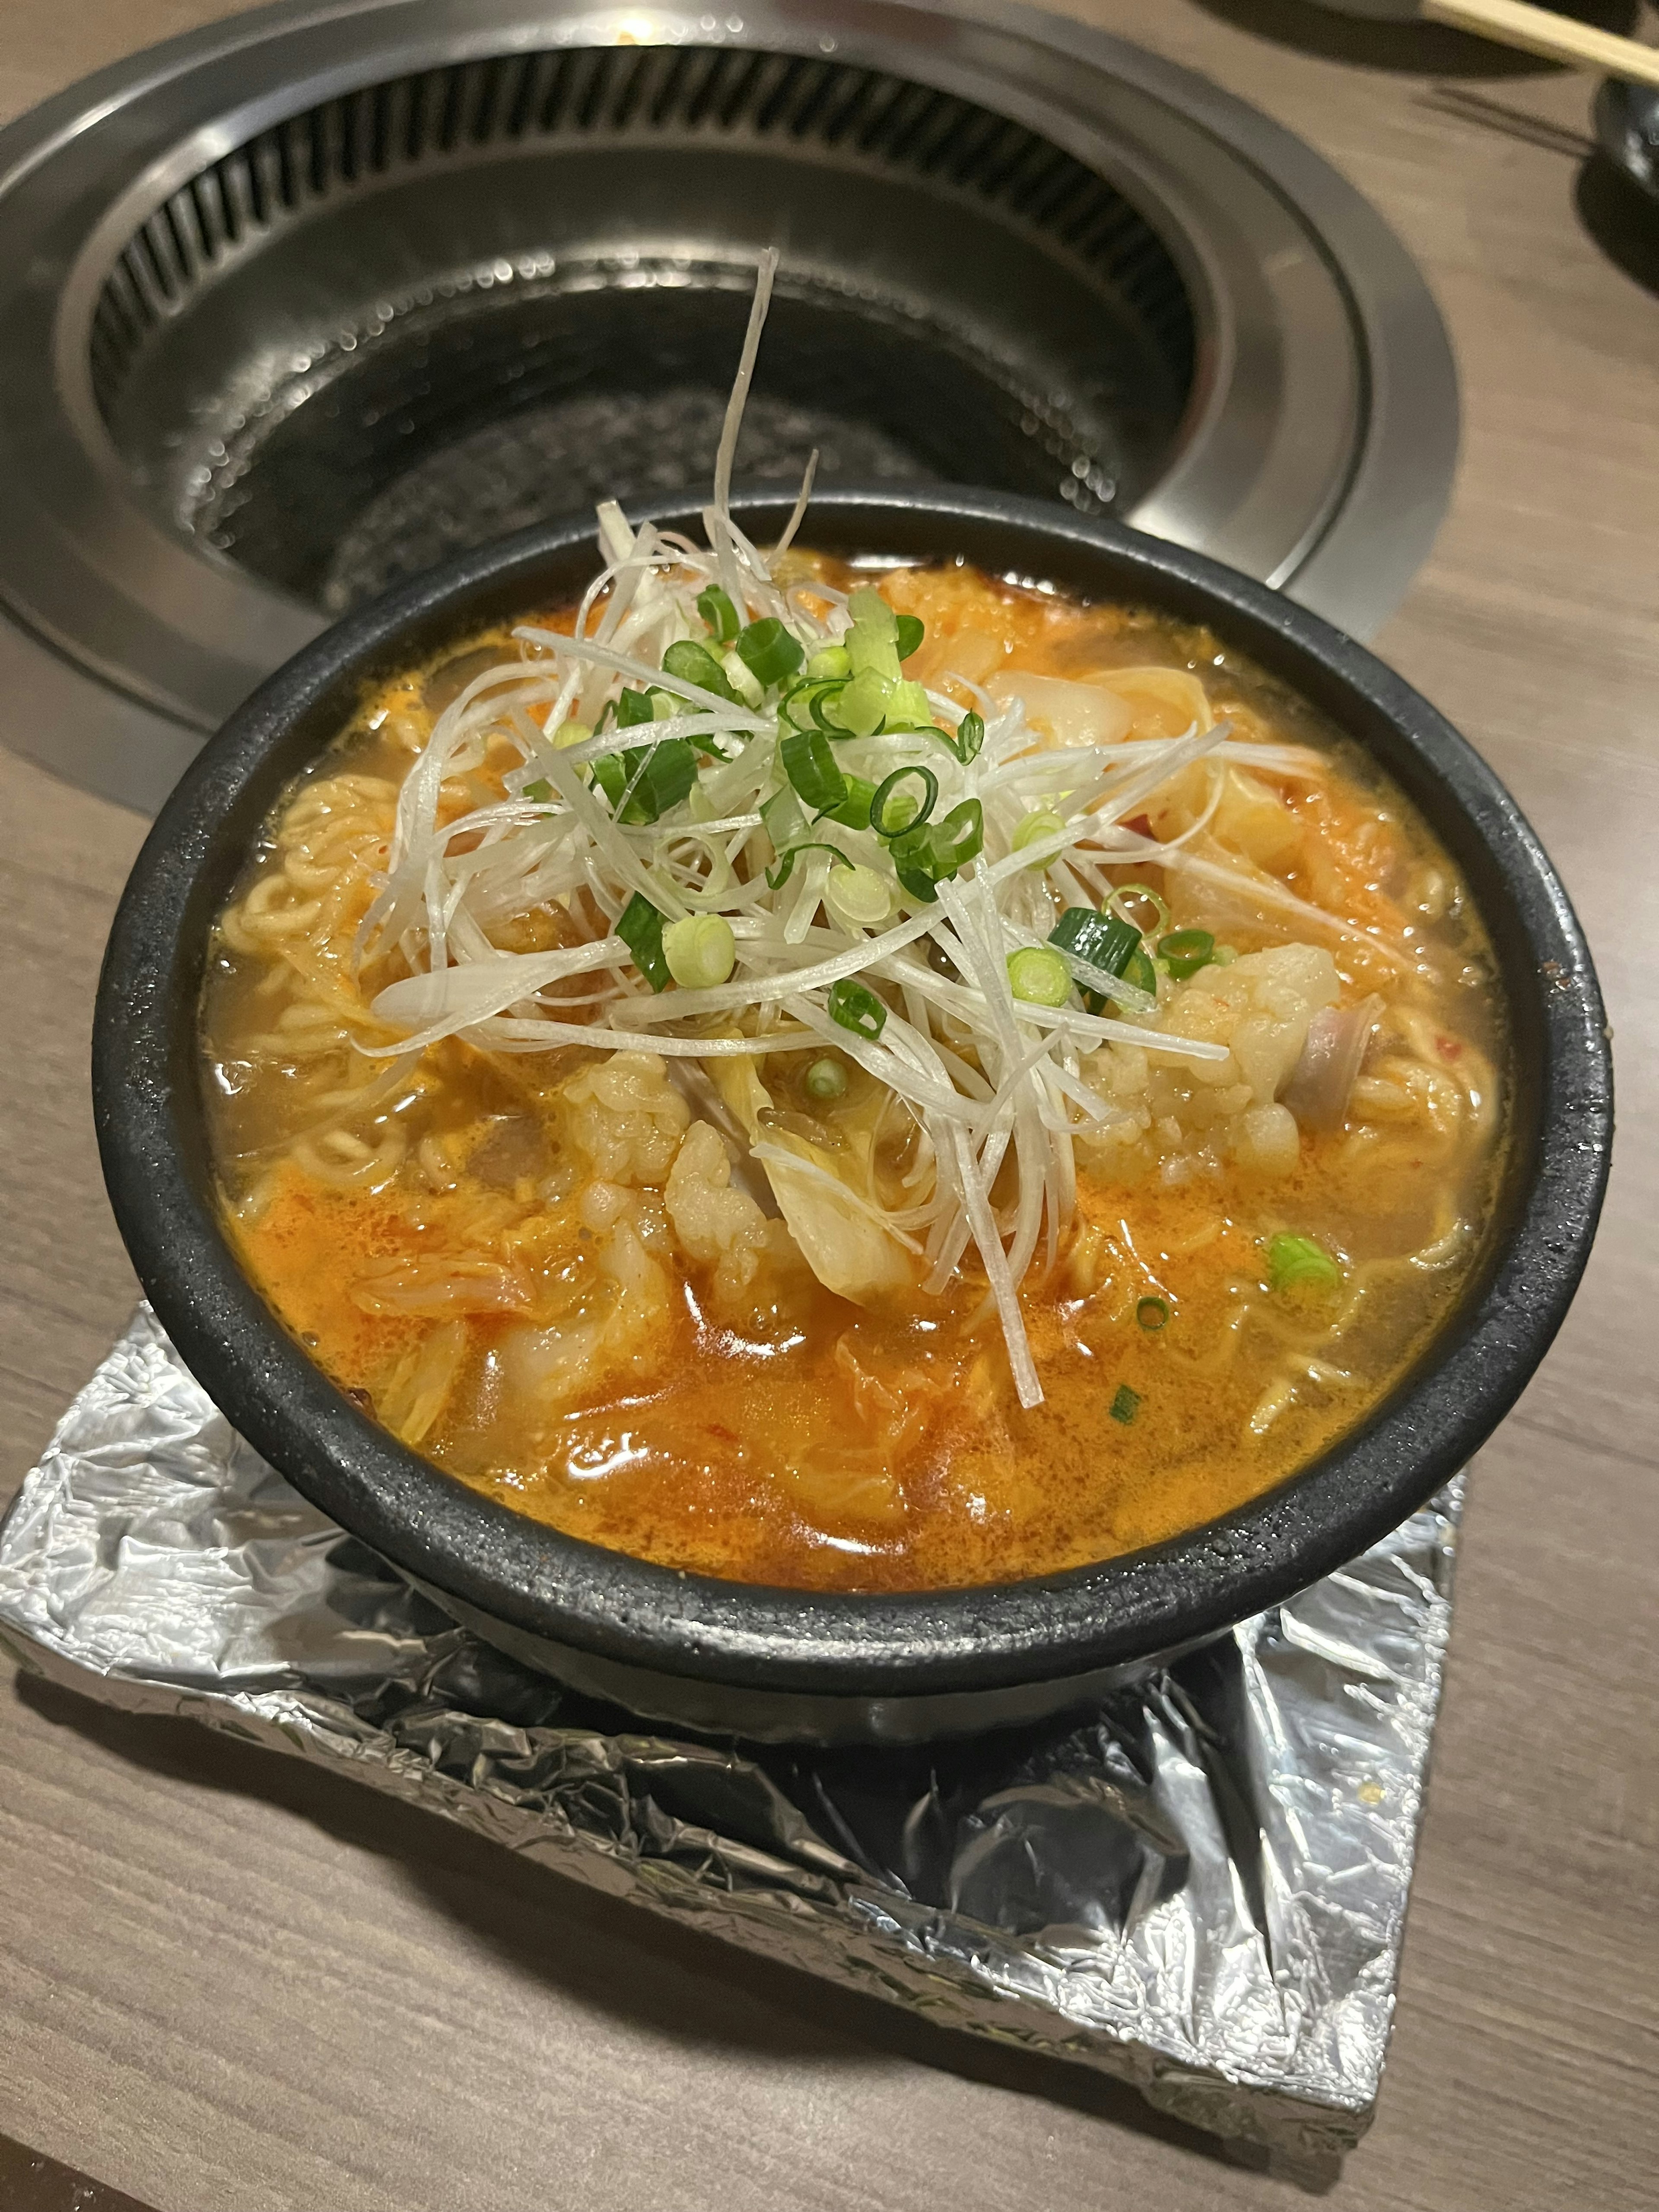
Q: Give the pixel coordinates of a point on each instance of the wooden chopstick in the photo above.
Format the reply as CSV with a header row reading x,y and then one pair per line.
x,y
1537,30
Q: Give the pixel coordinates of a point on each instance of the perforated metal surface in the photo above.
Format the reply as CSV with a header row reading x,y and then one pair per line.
x,y
302,300
336,432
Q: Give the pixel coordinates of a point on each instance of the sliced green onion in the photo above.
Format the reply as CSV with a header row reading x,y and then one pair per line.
x,y
858,897
1184,951
716,609
642,784
785,818
1105,941
769,652
611,775
809,762
825,1078
670,770
738,676
853,812
889,816
801,706
694,664
1126,1404
830,662
1300,1262
1139,970
908,708
862,706
570,734
541,790
778,877
925,855
857,1009
823,701
1033,829
970,738
1223,956
1152,1314
908,631
1039,975
871,612
634,708
1141,892
873,642
640,927
701,951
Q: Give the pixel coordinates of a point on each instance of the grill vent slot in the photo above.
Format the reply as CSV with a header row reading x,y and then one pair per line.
x,y
862,116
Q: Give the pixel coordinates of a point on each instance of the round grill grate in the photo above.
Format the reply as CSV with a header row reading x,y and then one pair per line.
x,y
475,345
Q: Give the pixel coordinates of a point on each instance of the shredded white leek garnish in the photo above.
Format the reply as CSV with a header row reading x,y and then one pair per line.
x,y
707,742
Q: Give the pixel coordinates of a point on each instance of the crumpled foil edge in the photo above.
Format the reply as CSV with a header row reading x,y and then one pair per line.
x,y
1243,1983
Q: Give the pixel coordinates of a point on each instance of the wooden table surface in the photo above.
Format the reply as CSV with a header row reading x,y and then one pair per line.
x,y
228,1982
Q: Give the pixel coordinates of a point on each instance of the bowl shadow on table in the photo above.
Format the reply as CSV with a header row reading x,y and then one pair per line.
x,y
565,1938
1414,48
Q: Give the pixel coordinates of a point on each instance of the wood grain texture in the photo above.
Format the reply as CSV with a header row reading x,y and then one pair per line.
x,y
226,1980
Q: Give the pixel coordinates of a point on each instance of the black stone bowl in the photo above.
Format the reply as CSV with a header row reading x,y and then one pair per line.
x,y
783,1664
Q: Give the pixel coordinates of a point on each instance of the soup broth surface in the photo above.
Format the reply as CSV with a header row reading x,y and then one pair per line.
x,y
556,1273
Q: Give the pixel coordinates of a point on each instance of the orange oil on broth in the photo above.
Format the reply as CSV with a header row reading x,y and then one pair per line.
x,y
801,1440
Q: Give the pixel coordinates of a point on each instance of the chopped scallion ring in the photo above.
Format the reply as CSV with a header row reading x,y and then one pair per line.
x,y
694,664
871,614
769,652
853,812
701,951
1126,1404
809,762
858,897
1104,941
1140,970
778,877
1160,909
822,705
830,662
909,632
716,609
1152,1315
909,708
640,927
1034,828
856,1008
888,819
861,708
1184,951
642,784
1301,1263
1039,975
739,676
925,855
970,739
825,1080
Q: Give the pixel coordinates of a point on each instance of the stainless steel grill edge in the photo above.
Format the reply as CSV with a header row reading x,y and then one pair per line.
x,y
296,303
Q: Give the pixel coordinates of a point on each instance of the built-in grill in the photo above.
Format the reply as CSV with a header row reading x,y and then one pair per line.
x,y
300,305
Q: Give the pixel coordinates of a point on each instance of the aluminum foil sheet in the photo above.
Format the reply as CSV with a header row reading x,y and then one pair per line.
x,y
1198,1887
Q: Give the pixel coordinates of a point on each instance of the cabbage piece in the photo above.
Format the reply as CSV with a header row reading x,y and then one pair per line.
x,y
1067,714
821,1198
